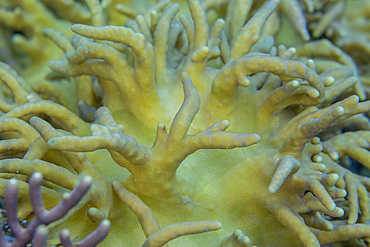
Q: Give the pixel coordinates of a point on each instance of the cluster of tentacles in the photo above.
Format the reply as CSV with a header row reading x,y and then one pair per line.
x,y
261,138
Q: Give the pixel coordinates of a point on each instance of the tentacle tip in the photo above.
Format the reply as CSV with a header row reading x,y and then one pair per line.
x,y
272,189
77,27
356,98
250,140
256,138
321,167
221,21
217,225
311,63
335,177
32,97
334,156
293,50
94,128
314,94
176,6
306,36
64,233
244,82
328,81
332,207
316,140
329,226
52,142
37,176
95,215
54,64
86,180
105,223
18,39
33,120
185,76
342,193
225,122
161,127
68,55
183,17
42,230
295,84
12,182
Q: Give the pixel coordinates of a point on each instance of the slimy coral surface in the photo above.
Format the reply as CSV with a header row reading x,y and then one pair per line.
x,y
198,123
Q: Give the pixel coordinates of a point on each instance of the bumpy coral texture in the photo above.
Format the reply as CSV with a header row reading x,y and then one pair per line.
x,y
195,122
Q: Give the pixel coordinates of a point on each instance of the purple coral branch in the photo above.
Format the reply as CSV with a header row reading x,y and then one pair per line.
x,y
36,231
59,211
91,240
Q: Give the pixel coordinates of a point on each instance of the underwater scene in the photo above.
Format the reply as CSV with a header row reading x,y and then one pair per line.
x,y
192,123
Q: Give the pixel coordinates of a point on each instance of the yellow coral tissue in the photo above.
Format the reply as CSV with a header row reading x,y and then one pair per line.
x,y
200,123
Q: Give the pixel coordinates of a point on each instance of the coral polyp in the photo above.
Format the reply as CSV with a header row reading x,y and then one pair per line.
x,y
192,129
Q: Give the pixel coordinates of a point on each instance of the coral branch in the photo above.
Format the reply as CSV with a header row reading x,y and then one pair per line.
x,y
189,108
292,93
250,33
91,240
52,173
42,216
285,166
324,48
214,40
237,238
17,86
316,220
160,236
342,233
332,14
58,38
176,230
306,131
351,106
295,223
236,16
145,216
235,71
161,38
179,145
201,28
143,50
27,135
353,144
60,114
296,16
103,137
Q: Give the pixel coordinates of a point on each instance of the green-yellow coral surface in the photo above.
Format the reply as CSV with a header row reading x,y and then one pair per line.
x,y
197,122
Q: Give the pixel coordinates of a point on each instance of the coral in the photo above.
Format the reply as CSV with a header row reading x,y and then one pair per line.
x,y
261,141
37,228
346,23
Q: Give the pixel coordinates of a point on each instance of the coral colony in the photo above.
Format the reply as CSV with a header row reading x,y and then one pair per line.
x,y
200,123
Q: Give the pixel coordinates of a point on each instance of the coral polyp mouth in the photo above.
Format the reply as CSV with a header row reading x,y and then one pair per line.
x,y
208,129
